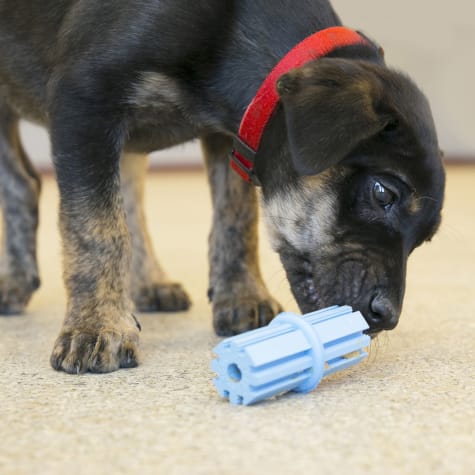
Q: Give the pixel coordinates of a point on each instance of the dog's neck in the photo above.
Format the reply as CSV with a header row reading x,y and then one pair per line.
x,y
265,102
273,161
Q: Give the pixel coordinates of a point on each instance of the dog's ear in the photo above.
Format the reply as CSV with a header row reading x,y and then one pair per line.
x,y
330,105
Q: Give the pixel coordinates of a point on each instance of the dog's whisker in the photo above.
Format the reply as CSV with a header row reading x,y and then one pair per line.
x,y
283,218
425,198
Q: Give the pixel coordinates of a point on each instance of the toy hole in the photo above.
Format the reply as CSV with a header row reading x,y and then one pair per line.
x,y
234,372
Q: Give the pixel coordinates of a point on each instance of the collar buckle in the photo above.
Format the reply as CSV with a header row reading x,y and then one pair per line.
x,y
242,161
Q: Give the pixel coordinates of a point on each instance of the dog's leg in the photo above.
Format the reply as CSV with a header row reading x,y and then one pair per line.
x,y
100,333
150,288
19,192
240,298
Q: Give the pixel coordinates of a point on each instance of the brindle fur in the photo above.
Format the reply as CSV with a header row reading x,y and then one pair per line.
x,y
150,288
19,192
240,298
115,79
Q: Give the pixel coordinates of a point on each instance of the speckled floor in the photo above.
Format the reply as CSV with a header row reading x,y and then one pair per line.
x,y
409,409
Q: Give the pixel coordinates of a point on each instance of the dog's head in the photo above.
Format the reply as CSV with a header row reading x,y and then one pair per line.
x,y
358,185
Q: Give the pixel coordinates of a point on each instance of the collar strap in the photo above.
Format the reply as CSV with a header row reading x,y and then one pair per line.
x,y
260,110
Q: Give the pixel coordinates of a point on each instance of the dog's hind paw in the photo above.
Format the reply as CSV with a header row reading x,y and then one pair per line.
x,y
15,293
162,297
97,350
234,316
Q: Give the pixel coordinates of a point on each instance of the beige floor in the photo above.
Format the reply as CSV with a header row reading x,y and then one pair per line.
x,y
409,409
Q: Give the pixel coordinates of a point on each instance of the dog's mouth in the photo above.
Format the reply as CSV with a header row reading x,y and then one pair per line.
x,y
310,299
372,333
310,294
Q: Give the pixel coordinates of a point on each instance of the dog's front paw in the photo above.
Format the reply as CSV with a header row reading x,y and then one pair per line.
x,y
234,316
161,297
100,349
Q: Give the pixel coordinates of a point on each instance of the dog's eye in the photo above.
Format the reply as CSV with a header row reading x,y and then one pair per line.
x,y
384,197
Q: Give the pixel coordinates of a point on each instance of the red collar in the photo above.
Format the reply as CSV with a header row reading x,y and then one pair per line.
x,y
260,109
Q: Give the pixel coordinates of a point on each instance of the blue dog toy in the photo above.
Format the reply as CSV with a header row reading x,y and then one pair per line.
x,y
292,353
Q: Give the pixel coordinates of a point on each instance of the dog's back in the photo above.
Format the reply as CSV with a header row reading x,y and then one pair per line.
x,y
174,37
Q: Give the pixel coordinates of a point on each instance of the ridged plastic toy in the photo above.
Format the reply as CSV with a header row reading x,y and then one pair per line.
x,y
292,353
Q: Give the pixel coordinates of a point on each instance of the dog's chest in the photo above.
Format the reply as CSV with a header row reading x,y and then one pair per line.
x,y
161,114
154,129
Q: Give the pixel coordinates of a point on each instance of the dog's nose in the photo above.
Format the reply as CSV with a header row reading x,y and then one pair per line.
x,y
382,315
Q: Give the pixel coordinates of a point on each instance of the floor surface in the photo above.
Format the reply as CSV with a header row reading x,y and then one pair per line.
x,y
408,409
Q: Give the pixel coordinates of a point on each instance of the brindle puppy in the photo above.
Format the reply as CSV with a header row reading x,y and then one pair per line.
x,y
351,176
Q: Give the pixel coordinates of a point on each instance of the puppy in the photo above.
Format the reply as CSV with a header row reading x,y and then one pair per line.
x,y
348,162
